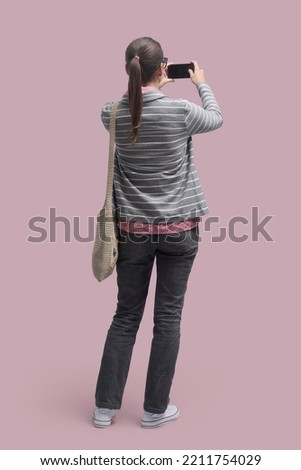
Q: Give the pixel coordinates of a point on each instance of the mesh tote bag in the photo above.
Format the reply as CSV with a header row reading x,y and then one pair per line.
x,y
105,248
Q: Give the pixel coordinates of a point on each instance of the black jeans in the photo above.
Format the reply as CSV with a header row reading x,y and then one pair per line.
x,y
174,255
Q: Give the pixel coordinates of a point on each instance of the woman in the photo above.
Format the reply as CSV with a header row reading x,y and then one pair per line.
x,y
158,201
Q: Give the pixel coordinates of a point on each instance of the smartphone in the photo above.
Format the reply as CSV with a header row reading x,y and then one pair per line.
x,y
179,70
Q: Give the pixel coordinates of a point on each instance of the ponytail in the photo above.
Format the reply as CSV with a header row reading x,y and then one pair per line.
x,y
143,57
135,96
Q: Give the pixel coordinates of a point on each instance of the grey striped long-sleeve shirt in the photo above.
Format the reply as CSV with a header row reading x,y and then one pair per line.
x,y
155,180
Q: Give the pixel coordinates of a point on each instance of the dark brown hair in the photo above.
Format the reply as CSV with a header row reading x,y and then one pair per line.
x,y
143,57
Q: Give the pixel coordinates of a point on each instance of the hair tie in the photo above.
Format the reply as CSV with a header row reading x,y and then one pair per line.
x,y
137,57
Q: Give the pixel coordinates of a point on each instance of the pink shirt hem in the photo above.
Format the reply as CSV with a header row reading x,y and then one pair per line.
x,y
174,227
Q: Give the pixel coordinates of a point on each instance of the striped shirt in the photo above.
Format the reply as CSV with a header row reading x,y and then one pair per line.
x,y
155,180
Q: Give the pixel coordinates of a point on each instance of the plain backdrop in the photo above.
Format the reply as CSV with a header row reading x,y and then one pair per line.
x,y
238,380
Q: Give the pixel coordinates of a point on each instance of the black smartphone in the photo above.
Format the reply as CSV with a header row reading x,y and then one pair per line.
x,y
179,70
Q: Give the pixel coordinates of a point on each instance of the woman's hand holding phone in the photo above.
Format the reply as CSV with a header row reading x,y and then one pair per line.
x,y
197,76
165,78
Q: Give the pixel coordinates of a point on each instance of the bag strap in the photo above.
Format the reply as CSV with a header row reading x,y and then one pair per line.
x,y
109,191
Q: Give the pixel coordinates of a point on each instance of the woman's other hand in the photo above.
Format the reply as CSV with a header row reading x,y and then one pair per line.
x,y
164,78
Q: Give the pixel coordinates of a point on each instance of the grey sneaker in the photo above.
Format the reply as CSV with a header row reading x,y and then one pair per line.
x,y
103,417
153,420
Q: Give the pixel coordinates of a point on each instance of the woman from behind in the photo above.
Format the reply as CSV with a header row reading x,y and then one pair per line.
x,y
158,201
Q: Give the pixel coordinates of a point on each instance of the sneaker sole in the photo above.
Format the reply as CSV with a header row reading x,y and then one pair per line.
x,y
102,424
160,421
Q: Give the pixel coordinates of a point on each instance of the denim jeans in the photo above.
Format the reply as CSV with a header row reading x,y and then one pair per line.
x,y
174,254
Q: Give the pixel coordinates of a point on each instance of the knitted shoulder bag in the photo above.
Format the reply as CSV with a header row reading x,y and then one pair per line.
x,y
105,248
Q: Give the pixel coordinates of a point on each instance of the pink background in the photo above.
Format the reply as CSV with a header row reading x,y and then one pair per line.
x,y
238,375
